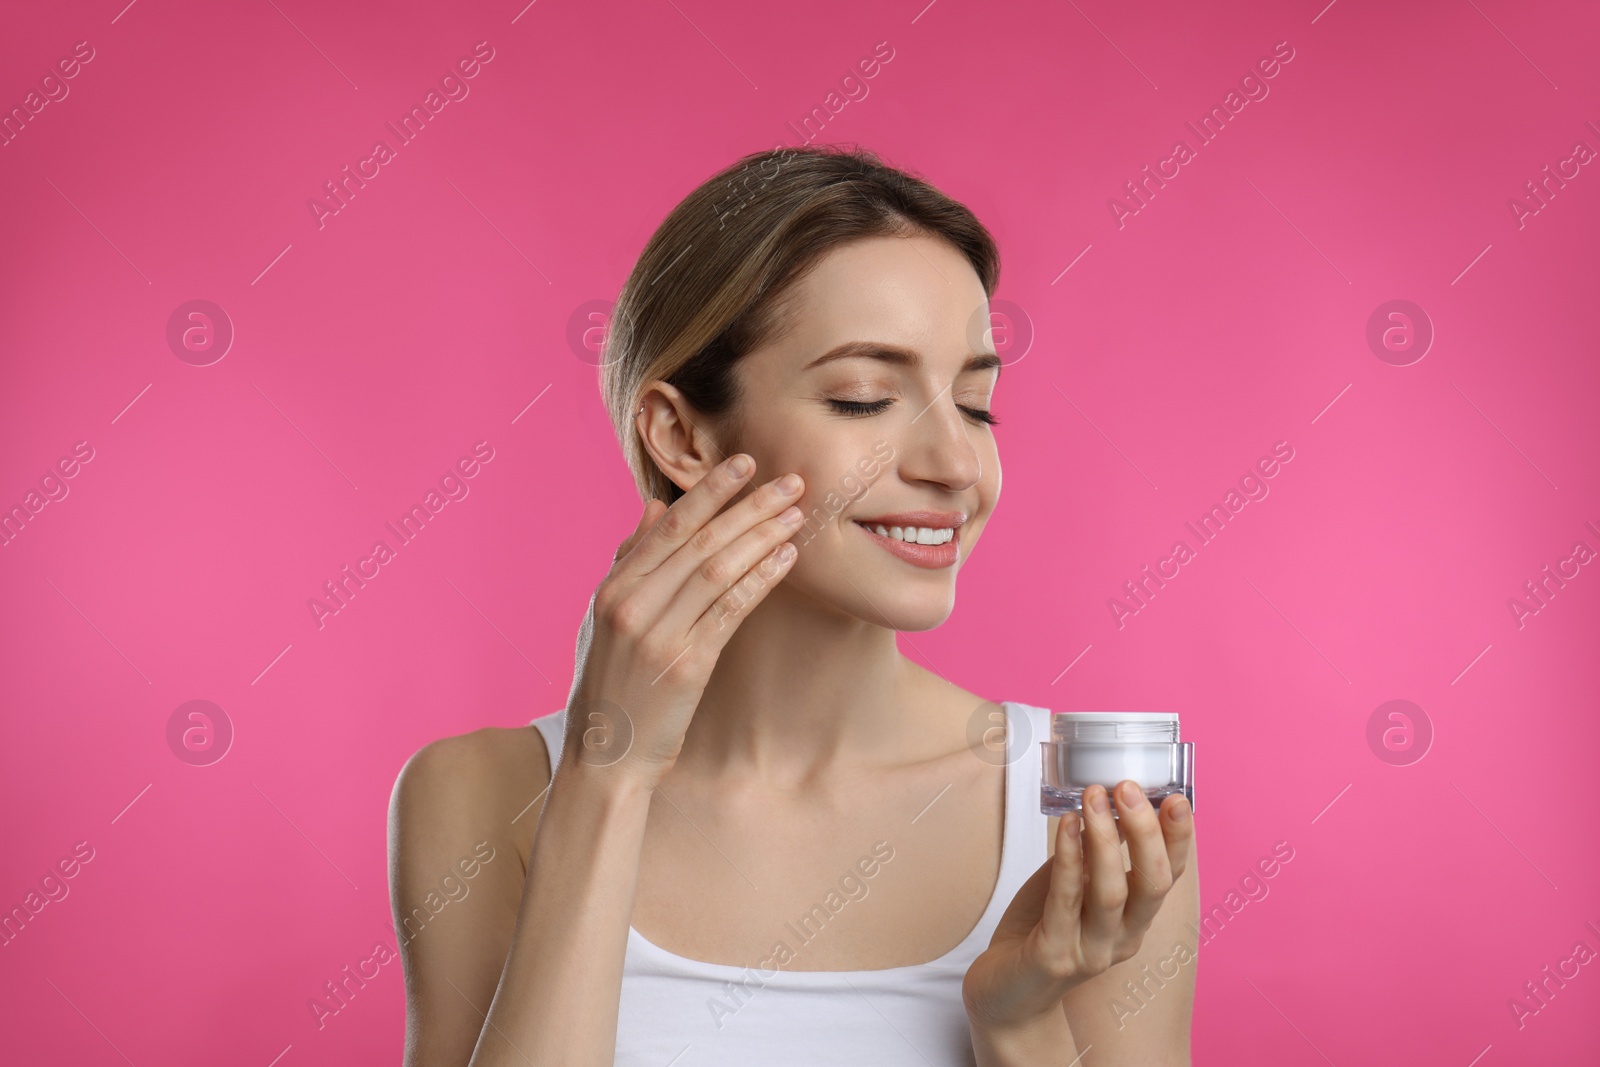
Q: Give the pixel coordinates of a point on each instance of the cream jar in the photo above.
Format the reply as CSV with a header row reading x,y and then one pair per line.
x,y
1105,747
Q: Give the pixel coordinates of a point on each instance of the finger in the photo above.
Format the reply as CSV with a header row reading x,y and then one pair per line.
x,y
688,514
1063,906
699,566
1177,828
1107,887
721,617
1151,875
735,578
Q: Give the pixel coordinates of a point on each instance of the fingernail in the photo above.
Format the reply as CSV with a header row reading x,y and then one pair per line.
x,y
1074,824
1180,810
791,515
788,483
1099,802
740,465
1132,794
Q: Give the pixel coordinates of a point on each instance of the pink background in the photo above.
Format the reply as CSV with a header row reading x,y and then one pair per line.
x,y
1229,314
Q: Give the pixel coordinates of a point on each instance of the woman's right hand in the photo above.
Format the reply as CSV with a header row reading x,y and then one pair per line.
x,y
678,588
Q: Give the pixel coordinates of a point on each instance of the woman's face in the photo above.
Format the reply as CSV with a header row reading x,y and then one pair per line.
x,y
880,439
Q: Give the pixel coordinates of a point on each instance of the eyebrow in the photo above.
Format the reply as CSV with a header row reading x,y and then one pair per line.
x,y
899,356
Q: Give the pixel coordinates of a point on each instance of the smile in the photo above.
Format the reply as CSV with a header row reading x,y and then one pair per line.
x,y
922,546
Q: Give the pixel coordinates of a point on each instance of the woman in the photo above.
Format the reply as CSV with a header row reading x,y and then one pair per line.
x,y
757,833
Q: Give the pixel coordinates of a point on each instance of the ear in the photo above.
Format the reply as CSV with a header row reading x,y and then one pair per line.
x,y
676,436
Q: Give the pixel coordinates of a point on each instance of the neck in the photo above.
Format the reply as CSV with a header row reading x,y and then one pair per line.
x,y
802,690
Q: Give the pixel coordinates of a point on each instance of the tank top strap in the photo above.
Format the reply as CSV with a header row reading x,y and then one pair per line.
x,y
553,728
1026,827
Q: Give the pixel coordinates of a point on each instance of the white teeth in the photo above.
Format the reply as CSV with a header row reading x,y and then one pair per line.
x,y
919,535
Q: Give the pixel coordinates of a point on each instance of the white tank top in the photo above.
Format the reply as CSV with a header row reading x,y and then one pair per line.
x,y
678,1012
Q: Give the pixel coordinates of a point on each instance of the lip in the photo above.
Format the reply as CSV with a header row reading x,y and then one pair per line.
x,y
918,518
932,557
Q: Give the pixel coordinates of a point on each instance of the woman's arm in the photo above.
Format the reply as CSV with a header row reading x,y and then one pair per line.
x,y
538,972
451,795
1086,912
1048,1040
1149,1025
549,987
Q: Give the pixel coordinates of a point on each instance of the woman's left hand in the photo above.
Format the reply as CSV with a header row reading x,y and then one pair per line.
x,y
1079,913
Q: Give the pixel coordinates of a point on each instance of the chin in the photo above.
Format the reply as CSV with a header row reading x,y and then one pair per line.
x,y
916,621
892,600
899,605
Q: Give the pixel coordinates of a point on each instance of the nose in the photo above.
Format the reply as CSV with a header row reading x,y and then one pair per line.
x,y
937,447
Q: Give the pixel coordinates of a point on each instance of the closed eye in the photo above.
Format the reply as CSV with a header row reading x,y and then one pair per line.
x,y
877,407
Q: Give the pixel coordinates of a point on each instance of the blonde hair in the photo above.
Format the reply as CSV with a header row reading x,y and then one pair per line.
x,y
712,281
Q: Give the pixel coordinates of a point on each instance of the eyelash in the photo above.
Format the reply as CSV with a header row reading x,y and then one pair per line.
x,y
875,407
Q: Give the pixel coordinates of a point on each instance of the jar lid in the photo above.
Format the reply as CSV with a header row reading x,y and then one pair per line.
x,y
1123,726
1121,716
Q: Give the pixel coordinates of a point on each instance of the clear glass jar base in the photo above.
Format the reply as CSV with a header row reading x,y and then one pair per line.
x,y
1054,801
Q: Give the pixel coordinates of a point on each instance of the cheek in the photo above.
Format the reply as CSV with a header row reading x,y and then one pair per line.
x,y
825,507
829,457
821,508
835,492
823,479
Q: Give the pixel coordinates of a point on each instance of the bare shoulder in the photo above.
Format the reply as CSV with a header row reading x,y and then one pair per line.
x,y
488,783
461,821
